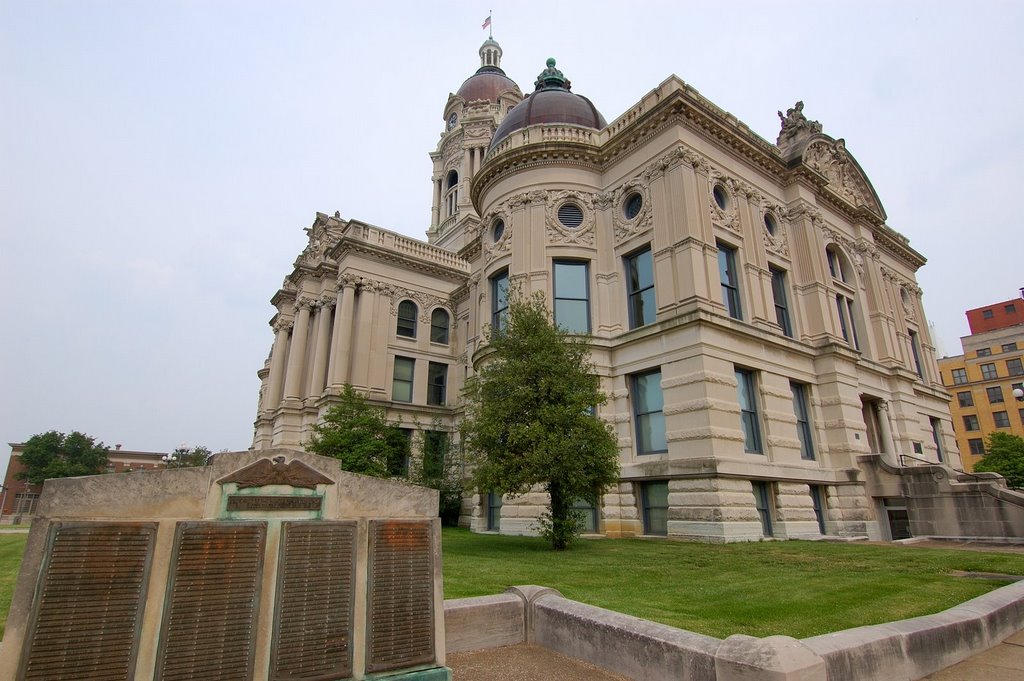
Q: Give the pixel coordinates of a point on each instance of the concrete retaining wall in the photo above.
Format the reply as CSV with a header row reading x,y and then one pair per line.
x,y
897,651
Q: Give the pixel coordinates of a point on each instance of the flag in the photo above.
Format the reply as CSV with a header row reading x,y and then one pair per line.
x,y
487,22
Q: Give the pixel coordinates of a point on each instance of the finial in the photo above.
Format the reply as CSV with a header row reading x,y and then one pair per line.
x,y
551,78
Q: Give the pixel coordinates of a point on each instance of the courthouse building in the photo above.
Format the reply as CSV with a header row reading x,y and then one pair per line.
x,y
755,322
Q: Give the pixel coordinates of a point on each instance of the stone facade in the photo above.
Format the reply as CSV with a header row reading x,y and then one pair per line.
x,y
755,322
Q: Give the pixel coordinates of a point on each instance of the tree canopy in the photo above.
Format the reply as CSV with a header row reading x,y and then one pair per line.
x,y
189,457
56,455
531,418
1004,454
358,434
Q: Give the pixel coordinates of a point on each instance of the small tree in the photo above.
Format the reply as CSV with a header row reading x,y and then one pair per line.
x,y
1004,454
530,418
189,457
357,434
56,455
440,467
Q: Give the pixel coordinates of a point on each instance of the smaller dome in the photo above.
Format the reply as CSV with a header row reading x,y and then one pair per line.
x,y
487,83
551,102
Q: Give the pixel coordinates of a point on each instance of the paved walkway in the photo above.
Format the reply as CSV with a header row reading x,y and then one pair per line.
x,y
1005,662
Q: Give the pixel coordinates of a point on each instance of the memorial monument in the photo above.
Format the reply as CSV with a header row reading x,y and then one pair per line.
x,y
262,566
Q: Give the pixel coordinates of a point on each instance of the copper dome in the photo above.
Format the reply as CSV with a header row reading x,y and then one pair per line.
x,y
551,102
487,83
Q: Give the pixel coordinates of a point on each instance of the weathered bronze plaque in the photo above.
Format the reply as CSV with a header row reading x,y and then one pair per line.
x,y
209,627
87,616
315,587
401,595
247,502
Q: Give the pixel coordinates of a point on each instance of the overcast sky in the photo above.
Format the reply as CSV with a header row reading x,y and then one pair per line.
x,y
159,161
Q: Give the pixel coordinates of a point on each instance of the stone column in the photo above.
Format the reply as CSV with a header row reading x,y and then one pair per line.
x,y
322,347
297,351
364,334
435,210
278,357
341,346
888,452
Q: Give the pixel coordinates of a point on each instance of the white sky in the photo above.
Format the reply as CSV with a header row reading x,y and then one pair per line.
x,y
159,161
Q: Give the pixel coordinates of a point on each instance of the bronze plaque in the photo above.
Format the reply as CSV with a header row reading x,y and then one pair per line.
x,y
401,595
209,626
315,587
89,603
248,502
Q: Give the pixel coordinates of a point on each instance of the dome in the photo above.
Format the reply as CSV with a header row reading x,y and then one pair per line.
x,y
551,102
487,83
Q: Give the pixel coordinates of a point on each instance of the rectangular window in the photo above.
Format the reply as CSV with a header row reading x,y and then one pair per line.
x,y
918,447
748,411
1014,367
781,301
818,502
984,352
988,371
971,422
648,403
654,497
1001,418
846,324
493,511
959,376
499,302
977,446
401,384
1009,347
1009,308
987,314
437,382
762,501
937,438
995,394
572,293
435,446
640,288
588,513
398,463
803,420
965,398
730,280
915,349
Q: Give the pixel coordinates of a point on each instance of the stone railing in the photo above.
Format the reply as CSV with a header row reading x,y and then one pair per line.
x,y
402,244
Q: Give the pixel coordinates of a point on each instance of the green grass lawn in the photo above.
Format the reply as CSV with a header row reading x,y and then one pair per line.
x,y
796,588
785,587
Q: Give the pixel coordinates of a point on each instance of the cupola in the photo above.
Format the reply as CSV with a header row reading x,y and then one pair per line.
x,y
489,81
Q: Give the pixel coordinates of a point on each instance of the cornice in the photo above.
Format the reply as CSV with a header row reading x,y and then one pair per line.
x,y
388,255
518,159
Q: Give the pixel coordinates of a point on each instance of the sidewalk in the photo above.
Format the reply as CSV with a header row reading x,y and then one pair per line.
x,y
1005,662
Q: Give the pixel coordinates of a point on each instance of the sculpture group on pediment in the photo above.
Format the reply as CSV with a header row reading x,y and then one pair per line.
x,y
833,161
795,126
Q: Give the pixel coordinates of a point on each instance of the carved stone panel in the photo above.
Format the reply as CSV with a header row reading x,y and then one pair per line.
x,y
315,587
209,626
86,621
401,602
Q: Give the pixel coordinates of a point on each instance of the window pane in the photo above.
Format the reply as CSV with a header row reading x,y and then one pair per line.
x,y
437,378
572,307
654,496
571,280
640,284
439,326
651,431
572,315
648,393
407,319
401,385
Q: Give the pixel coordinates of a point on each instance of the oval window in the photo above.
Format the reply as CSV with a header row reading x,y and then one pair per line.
x,y
770,223
570,215
631,208
498,230
721,196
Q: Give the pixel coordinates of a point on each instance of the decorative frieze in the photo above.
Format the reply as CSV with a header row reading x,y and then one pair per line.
x,y
557,233
625,226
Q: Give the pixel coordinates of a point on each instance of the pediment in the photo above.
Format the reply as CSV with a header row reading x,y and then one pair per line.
x,y
846,179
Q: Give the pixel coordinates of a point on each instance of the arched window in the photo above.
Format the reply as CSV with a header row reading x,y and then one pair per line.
x,y
845,284
407,319
451,197
439,326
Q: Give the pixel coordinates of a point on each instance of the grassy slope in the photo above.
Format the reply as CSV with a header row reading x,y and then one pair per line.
x,y
795,588
11,548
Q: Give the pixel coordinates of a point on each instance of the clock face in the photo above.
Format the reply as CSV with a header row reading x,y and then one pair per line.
x,y
452,120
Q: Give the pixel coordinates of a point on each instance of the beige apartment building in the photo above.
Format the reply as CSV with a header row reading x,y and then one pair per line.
x,y
755,322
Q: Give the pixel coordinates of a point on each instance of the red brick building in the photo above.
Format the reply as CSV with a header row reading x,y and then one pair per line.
x,y
997,315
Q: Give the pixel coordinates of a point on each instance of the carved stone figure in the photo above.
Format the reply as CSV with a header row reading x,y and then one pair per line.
x,y
795,126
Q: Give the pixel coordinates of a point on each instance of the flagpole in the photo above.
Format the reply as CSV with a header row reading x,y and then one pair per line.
x,y
490,25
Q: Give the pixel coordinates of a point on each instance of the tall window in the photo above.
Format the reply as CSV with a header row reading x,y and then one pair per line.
x,y
803,420
654,497
435,446
572,289
965,398
847,325
407,312
401,383
640,285
494,511
437,381
818,502
959,376
988,372
398,463
748,411
915,349
762,501
452,192
730,280
648,403
439,326
835,265
937,438
499,302
781,301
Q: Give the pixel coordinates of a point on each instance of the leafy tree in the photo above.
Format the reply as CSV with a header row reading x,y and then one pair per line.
x,y
357,433
530,418
189,457
440,467
1004,454
56,455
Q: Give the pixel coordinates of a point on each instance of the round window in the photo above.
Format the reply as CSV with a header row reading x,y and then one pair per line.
x,y
570,215
631,208
770,223
498,230
721,196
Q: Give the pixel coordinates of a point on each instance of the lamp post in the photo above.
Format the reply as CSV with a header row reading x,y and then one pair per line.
x,y
168,459
1018,394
